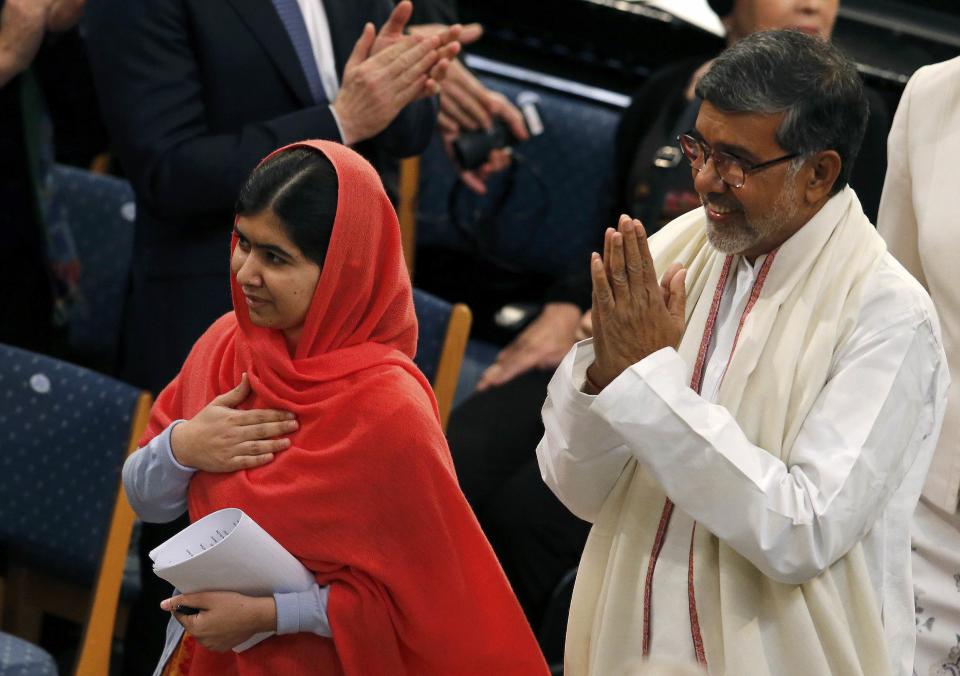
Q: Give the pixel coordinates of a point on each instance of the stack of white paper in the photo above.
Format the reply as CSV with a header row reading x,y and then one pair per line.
x,y
229,551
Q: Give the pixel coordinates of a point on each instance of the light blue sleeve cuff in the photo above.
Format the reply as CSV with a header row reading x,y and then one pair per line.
x,y
166,448
304,611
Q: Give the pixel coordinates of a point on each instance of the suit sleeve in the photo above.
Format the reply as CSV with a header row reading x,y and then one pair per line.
x,y
152,98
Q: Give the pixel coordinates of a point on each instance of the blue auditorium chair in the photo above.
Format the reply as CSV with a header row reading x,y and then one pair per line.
x,y
64,522
100,212
443,333
20,658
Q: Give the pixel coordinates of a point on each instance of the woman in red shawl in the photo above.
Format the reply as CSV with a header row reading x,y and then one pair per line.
x,y
337,453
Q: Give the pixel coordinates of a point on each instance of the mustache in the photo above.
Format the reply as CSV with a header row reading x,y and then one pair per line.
x,y
721,201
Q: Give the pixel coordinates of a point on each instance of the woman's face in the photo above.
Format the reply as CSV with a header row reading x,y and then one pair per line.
x,y
815,17
277,280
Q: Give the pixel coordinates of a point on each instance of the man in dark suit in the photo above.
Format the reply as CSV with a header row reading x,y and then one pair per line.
x,y
194,94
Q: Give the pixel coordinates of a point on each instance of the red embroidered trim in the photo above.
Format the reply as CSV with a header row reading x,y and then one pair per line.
x,y
697,378
651,566
754,295
668,505
694,617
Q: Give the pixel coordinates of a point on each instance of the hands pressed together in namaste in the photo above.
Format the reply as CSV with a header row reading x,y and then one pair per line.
x,y
633,315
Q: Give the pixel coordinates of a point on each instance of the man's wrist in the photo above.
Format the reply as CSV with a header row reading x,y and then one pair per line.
x,y
590,385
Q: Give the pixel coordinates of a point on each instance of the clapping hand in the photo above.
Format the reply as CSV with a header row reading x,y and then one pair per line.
x,y
221,438
378,85
633,316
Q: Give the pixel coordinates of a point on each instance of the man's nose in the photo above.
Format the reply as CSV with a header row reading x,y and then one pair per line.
x,y
708,180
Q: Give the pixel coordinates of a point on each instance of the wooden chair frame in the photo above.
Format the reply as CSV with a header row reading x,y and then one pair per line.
x,y
29,594
451,359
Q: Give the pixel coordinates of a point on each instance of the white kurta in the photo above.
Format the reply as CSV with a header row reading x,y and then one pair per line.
x,y
848,479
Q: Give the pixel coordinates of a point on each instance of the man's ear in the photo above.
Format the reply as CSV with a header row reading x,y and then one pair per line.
x,y
823,169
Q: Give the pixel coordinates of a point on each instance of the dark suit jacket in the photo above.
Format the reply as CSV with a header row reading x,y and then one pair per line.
x,y
194,94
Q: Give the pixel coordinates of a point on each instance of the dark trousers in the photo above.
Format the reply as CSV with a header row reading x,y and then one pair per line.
x,y
493,437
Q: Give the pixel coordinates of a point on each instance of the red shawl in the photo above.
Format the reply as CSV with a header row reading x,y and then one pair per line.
x,y
366,497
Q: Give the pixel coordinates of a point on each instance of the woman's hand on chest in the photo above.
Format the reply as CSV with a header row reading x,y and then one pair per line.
x,y
222,438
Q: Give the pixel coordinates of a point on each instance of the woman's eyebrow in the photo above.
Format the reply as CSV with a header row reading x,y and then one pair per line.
x,y
272,248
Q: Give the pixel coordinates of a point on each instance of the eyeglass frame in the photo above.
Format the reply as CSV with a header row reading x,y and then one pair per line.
x,y
709,152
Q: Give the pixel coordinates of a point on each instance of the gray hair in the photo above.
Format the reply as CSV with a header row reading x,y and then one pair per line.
x,y
809,79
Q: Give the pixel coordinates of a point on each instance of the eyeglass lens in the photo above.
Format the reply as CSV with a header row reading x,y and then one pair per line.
x,y
730,171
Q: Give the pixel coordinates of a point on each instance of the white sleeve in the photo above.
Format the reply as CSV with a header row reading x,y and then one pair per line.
x,y
155,483
897,219
879,413
580,456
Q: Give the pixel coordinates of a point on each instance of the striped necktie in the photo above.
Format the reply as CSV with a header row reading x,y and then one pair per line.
x,y
292,18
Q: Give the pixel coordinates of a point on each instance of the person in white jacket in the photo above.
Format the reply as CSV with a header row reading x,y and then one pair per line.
x,y
749,436
919,220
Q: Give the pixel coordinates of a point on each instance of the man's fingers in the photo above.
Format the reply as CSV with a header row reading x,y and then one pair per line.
x,y
236,396
452,108
665,280
602,295
468,102
606,249
473,181
439,73
470,33
446,123
678,296
649,273
414,63
361,49
632,260
398,20
618,270
514,119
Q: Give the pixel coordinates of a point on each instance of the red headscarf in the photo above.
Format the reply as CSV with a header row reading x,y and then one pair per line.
x,y
366,496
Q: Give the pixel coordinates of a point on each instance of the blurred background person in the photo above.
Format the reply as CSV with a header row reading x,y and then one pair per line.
x,y
536,538
918,220
32,317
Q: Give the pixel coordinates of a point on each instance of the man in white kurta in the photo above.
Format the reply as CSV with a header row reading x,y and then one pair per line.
x,y
778,550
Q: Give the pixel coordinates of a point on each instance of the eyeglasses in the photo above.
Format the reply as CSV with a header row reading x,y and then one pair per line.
x,y
732,170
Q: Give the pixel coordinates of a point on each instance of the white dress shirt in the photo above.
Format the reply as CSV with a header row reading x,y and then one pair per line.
x,y
855,471
318,28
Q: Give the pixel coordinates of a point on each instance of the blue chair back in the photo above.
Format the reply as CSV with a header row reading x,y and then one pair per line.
x,y
20,658
433,315
100,211
64,432
550,218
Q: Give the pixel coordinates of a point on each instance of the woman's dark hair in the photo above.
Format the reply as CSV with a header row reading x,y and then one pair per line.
x,y
300,187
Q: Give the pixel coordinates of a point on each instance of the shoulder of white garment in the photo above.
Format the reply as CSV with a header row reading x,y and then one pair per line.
x,y
893,297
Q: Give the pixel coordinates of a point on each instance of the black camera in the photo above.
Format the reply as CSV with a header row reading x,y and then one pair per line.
x,y
471,149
